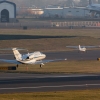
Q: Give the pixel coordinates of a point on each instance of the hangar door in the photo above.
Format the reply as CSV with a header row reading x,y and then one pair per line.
x,y
4,15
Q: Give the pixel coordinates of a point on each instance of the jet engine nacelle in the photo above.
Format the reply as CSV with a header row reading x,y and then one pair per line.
x,y
30,57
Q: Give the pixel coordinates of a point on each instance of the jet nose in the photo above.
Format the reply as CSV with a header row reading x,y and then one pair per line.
x,y
44,55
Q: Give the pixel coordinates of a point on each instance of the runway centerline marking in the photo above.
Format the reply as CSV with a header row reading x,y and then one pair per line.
x,y
48,76
81,85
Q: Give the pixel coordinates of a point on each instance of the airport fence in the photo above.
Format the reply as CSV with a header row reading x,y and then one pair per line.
x,y
50,24
78,24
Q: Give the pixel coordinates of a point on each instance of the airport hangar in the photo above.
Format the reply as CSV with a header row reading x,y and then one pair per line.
x,y
7,11
66,12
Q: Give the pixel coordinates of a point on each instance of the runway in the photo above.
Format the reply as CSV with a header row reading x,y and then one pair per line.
x,y
75,55
21,82
70,55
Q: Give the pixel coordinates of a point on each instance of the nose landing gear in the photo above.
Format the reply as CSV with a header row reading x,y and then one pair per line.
x,y
41,65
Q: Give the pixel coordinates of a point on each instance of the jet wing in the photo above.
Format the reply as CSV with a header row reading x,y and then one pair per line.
x,y
91,46
10,61
93,9
75,47
46,61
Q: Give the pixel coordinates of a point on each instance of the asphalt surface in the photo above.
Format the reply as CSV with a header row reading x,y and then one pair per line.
x,y
20,82
74,55
70,55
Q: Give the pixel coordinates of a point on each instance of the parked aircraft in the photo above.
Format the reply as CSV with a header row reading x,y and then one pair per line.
x,y
82,48
30,58
93,8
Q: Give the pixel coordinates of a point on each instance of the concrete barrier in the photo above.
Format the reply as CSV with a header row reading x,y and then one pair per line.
x,y
7,68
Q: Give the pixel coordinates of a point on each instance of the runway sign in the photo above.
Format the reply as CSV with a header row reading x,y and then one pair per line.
x,y
7,68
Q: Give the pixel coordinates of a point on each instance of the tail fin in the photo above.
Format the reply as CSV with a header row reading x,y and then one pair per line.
x,y
17,55
90,2
79,47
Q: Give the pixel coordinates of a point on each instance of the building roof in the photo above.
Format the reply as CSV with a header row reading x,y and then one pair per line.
x,y
8,2
53,8
11,4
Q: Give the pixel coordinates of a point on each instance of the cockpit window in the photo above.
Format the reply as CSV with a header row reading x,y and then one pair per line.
x,y
37,53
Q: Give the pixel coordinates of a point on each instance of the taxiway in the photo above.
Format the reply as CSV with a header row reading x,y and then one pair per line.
x,y
21,82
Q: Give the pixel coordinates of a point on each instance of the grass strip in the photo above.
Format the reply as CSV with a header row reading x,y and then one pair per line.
x,y
68,67
62,95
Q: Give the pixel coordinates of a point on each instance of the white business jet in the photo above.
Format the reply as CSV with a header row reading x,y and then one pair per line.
x,y
30,58
82,48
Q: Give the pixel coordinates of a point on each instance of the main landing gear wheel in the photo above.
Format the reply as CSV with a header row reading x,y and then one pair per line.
x,y
17,65
40,65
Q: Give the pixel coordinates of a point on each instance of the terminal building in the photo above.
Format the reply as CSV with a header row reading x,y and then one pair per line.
x,y
7,11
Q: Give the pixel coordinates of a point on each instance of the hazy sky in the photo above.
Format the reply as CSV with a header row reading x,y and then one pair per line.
x,y
44,3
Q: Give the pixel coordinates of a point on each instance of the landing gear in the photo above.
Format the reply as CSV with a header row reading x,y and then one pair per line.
x,y
40,65
17,65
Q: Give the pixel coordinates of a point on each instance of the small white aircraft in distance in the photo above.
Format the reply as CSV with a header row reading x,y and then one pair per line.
x,y
82,48
30,58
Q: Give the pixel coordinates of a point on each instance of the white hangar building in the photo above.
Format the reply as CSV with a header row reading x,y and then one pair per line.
x,y
53,12
7,11
76,12
66,12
